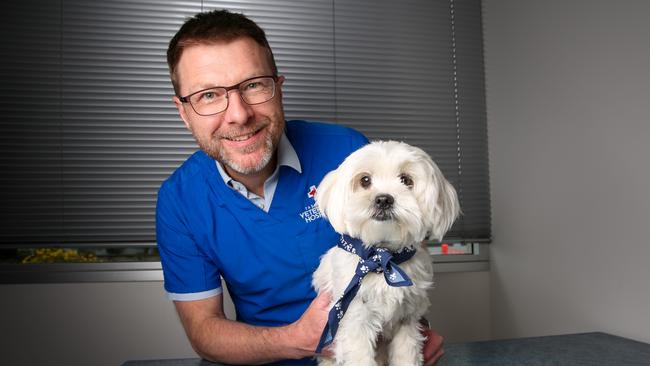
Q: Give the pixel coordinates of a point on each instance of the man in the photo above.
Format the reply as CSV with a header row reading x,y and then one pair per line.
x,y
242,208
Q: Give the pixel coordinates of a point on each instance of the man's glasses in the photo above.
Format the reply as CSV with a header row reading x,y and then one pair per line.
x,y
214,100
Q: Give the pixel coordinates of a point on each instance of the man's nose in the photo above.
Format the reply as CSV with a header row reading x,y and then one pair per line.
x,y
238,111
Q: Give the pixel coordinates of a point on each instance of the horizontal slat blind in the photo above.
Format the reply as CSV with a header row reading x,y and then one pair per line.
x,y
30,130
413,71
301,34
394,73
121,133
94,129
89,131
473,178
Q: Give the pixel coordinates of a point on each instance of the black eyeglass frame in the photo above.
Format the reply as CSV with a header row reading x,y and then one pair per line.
x,y
186,99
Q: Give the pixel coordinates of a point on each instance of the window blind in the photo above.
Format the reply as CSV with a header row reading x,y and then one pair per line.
x,y
413,71
30,128
88,130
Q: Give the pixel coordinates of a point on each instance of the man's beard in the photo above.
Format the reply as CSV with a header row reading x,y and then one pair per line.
x,y
269,148
214,149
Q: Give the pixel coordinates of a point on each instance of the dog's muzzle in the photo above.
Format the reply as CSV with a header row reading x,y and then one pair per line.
x,y
383,207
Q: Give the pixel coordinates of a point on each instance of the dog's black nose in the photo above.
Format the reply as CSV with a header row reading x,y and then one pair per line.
x,y
384,201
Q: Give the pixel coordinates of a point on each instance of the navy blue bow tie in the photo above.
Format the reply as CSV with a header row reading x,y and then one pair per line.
x,y
371,259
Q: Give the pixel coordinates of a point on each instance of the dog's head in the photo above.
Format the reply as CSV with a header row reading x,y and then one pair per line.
x,y
388,192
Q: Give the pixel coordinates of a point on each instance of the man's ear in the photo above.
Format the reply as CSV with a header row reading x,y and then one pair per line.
x,y
182,111
278,85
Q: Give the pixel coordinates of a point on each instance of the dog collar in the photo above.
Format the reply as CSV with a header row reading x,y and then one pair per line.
x,y
371,259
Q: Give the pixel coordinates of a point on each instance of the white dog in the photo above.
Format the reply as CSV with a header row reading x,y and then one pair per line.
x,y
385,198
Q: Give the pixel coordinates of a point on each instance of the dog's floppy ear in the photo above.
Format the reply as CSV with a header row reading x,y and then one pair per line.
x,y
331,199
441,206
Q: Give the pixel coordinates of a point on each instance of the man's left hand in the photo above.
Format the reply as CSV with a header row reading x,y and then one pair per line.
x,y
432,349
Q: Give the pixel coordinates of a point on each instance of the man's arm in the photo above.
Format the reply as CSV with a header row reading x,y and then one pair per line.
x,y
218,339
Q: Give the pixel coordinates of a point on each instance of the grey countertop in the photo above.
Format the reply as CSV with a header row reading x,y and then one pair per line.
x,y
586,349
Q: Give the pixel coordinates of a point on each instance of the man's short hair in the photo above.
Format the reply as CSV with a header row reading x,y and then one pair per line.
x,y
212,27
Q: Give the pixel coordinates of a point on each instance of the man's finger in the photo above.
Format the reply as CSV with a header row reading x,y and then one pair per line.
x,y
432,349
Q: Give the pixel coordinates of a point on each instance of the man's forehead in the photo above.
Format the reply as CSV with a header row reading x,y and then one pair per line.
x,y
221,63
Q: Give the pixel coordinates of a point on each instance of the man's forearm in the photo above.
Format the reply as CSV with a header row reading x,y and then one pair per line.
x,y
216,338
223,340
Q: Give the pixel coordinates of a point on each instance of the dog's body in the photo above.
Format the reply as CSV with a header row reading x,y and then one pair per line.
x,y
378,308
389,195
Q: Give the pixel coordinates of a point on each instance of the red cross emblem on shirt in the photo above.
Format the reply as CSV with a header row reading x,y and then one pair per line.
x,y
312,192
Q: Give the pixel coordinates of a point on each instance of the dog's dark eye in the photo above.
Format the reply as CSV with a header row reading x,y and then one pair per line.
x,y
365,181
406,180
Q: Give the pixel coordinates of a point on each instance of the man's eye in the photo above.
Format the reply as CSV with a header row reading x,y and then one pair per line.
x,y
252,85
365,181
208,96
406,180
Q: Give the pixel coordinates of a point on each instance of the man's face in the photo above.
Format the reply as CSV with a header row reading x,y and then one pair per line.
x,y
243,137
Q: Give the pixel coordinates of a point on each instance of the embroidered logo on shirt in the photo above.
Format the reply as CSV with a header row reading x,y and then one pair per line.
x,y
310,213
312,192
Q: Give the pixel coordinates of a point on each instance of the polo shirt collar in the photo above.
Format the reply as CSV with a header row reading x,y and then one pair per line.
x,y
287,155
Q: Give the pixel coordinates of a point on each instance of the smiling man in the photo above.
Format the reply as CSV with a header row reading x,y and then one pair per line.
x,y
242,208
240,131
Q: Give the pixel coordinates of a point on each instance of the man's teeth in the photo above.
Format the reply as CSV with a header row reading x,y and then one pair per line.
x,y
241,138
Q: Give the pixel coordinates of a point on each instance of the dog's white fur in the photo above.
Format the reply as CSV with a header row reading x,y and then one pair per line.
x,y
382,322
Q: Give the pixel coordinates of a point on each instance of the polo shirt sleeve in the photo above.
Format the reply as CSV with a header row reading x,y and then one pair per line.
x,y
189,274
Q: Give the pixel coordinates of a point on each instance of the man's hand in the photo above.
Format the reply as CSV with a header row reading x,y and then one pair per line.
x,y
432,349
307,330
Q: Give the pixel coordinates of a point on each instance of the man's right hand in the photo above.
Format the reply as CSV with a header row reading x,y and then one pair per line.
x,y
308,329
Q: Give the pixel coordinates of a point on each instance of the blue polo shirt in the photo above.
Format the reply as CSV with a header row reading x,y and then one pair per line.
x,y
205,229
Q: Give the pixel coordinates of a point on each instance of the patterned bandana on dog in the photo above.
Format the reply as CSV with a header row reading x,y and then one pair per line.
x,y
371,259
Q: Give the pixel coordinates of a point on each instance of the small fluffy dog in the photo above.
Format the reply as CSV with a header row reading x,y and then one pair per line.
x,y
389,196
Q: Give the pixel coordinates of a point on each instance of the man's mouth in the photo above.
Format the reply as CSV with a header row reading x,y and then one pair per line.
x,y
242,137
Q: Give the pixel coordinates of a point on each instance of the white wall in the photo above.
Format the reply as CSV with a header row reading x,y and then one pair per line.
x,y
88,324
460,306
568,98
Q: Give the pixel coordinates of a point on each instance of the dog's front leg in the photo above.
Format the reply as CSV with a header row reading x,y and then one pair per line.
x,y
356,339
405,349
